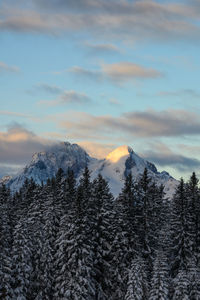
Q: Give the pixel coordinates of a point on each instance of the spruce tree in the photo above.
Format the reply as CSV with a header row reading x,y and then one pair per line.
x,y
79,283
22,261
124,243
181,286
137,285
181,251
193,215
102,217
160,278
6,237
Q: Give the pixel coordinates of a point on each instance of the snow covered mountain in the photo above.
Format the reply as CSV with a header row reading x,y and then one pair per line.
x,y
114,167
122,161
45,165
5,179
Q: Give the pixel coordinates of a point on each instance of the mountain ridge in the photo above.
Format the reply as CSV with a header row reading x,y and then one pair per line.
x,y
114,168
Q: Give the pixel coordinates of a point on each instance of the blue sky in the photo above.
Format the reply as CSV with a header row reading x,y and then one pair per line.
x,y
101,74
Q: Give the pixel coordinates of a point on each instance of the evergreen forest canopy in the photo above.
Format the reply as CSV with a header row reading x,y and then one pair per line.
x,y
64,240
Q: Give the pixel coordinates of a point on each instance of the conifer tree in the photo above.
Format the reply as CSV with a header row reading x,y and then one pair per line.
x,y
143,216
160,279
79,268
137,286
124,243
193,215
194,278
181,286
181,253
65,236
46,260
102,222
22,261
5,244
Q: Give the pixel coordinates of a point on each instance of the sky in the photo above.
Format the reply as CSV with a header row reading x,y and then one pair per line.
x,y
101,74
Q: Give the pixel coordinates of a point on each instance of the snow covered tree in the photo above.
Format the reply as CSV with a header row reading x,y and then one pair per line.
x,y
69,191
181,286
194,277
160,279
124,244
101,220
65,237
46,261
193,215
137,286
5,244
181,250
77,252
22,261
143,210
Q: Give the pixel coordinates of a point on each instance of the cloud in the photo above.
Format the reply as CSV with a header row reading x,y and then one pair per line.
x,y
19,115
68,97
6,68
118,72
47,88
164,123
86,74
15,114
164,156
97,150
14,19
7,169
189,93
114,7
124,71
18,144
132,20
102,48
195,4
149,123
195,150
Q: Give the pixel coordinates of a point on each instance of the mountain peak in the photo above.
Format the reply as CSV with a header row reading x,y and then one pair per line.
x,y
117,165
118,153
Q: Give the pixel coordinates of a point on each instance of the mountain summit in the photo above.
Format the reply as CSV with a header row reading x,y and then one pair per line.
x,y
114,168
45,164
123,161
119,153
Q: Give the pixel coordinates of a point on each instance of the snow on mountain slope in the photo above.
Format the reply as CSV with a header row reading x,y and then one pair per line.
x,y
45,165
114,168
122,161
5,179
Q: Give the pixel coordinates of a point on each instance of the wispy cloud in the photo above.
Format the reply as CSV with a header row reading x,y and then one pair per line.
x,y
145,124
189,93
163,156
18,144
7,68
102,48
68,97
19,115
97,150
7,169
118,72
86,74
125,71
48,88
134,20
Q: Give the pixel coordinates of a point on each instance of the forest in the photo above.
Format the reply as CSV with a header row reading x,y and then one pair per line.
x,y
73,240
